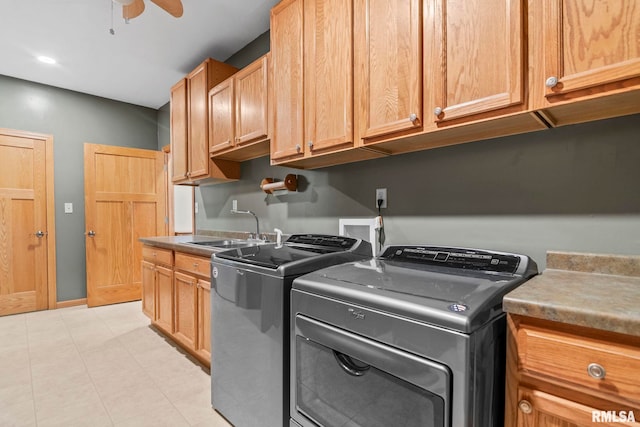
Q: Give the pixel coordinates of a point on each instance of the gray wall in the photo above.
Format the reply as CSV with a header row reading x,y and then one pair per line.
x,y
574,188
73,119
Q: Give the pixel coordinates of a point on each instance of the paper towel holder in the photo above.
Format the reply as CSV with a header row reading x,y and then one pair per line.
x,y
270,185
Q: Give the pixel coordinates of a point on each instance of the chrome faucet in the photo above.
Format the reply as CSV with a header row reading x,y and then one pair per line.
x,y
257,236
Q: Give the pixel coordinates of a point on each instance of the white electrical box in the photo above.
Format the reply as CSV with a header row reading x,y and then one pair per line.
x,y
360,228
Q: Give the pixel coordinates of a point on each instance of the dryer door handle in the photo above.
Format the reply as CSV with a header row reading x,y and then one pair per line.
x,y
351,366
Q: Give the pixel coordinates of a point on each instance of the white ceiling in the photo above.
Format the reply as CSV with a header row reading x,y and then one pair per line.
x,y
138,64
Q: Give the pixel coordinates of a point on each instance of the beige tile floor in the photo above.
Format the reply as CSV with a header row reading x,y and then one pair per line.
x,y
101,366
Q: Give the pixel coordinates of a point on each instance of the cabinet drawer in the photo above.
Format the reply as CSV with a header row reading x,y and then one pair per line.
x,y
157,255
193,264
580,360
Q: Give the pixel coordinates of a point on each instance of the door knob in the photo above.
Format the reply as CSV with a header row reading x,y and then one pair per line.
x,y
91,233
40,234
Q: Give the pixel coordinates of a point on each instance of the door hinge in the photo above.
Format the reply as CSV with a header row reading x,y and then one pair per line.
x,y
164,167
166,220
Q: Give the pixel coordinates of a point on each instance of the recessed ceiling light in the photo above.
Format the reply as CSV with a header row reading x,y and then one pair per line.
x,y
46,59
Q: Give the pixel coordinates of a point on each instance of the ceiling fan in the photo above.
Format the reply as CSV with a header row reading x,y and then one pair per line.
x,y
133,8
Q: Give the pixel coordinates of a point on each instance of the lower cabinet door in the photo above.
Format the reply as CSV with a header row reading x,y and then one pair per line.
x,y
149,289
537,408
164,298
185,294
203,346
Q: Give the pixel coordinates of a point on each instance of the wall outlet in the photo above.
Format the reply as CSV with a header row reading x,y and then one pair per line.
x,y
68,208
381,193
234,205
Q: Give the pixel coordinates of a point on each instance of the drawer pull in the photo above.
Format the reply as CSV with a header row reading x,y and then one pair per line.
x,y
525,406
195,264
596,371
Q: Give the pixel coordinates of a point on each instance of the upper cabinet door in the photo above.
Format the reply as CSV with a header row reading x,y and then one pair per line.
x,y
221,117
199,121
477,51
250,86
328,73
589,43
287,45
179,145
388,65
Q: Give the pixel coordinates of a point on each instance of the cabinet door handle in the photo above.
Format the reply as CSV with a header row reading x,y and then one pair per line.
x,y
40,234
525,406
310,144
596,371
437,111
298,148
551,82
413,117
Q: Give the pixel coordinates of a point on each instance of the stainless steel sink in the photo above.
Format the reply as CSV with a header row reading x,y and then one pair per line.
x,y
225,244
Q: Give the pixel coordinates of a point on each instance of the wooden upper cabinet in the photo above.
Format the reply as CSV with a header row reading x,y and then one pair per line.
x,y
178,124
251,107
588,44
198,88
328,73
190,127
475,51
222,117
287,46
238,114
388,66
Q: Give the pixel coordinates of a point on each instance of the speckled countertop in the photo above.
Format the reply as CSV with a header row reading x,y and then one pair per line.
x,y
592,290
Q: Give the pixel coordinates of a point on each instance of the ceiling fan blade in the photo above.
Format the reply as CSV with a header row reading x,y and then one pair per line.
x,y
173,7
133,10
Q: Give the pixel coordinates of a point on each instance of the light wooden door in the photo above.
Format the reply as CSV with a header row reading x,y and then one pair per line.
x,y
589,43
251,98
179,145
477,51
287,47
124,200
221,116
328,73
388,66
24,218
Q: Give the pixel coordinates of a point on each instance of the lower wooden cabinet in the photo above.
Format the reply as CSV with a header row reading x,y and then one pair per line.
x,y
164,299
157,286
570,376
176,300
203,306
185,298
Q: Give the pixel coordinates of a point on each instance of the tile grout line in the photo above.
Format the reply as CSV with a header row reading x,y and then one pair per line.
x,y
93,384
154,381
33,396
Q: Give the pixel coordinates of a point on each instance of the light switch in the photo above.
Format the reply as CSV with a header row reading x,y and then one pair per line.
x,y
68,208
195,207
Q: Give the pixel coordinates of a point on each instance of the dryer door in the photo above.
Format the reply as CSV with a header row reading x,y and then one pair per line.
x,y
343,379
